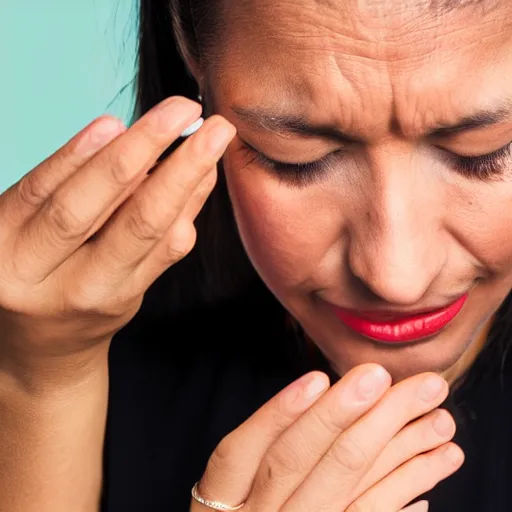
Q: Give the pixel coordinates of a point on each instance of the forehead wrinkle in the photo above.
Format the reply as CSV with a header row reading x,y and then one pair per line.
x,y
335,26
438,6
279,64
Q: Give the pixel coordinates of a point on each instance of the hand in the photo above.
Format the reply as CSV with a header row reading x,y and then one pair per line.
x,y
63,291
359,446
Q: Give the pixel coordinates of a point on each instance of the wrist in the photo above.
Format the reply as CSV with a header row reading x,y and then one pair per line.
x,y
53,374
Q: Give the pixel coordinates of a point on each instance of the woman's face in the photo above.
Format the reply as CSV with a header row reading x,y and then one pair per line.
x,y
388,108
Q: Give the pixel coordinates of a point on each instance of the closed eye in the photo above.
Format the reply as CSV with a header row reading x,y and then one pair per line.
x,y
300,173
483,167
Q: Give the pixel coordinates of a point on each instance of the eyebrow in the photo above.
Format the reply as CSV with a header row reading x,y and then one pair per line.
x,y
482,119
291,123
299,125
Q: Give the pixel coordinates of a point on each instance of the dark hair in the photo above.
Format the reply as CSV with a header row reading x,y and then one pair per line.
x,y
217,268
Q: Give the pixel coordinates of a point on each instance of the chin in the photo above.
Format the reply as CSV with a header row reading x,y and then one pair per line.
x,y
345,349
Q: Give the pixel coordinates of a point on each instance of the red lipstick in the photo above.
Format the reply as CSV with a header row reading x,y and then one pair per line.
x,y
400,328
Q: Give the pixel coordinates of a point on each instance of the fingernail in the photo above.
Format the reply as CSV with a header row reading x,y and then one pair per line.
x,y
431,387
371,382
316,386
102,131
442,423
302,391
454,454
192,128
174,111
218,137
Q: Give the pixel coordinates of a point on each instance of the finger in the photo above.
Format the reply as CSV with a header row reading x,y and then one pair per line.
x,y
412,479
136,183
201,193
299,449
423,435
419,506
67,217
333,481
179,239
27,195
232,467
145,218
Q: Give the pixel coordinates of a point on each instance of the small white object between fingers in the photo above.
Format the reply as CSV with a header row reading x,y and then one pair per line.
x,y
193,128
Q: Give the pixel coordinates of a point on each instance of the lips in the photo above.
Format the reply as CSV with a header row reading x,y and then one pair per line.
x,y
400,328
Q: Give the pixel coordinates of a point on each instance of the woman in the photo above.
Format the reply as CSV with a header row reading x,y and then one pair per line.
x,y
346,305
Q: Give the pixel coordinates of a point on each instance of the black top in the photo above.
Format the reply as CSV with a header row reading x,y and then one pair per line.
x,y
178,385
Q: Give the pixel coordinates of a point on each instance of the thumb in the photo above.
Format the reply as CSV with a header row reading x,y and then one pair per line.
x,y
233,465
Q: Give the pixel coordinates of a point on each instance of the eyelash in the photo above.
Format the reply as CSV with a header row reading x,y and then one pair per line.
x,y
483,167
299,173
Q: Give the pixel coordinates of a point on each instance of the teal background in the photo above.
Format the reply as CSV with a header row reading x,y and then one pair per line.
x,y
62,63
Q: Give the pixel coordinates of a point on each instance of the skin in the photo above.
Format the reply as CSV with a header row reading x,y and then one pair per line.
x,y
349,448
64,294
54,380
392,224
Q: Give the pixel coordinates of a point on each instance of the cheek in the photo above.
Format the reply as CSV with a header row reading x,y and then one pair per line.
x,y
481,218
286,231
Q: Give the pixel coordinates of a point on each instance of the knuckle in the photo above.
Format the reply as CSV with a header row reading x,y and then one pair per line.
x,y
32,190
94,305
85,298
407,446
141,225
327,419
14,299
206,186
223,456
151,133
180,187
281,461
65,222
180,244
120,165
281,413
95,298
428,462
349,455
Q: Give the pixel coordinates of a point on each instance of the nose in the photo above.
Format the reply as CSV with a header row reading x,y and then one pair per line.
x,y
396,246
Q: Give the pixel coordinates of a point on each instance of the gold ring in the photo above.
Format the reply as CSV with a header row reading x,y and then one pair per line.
x,y
215,505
